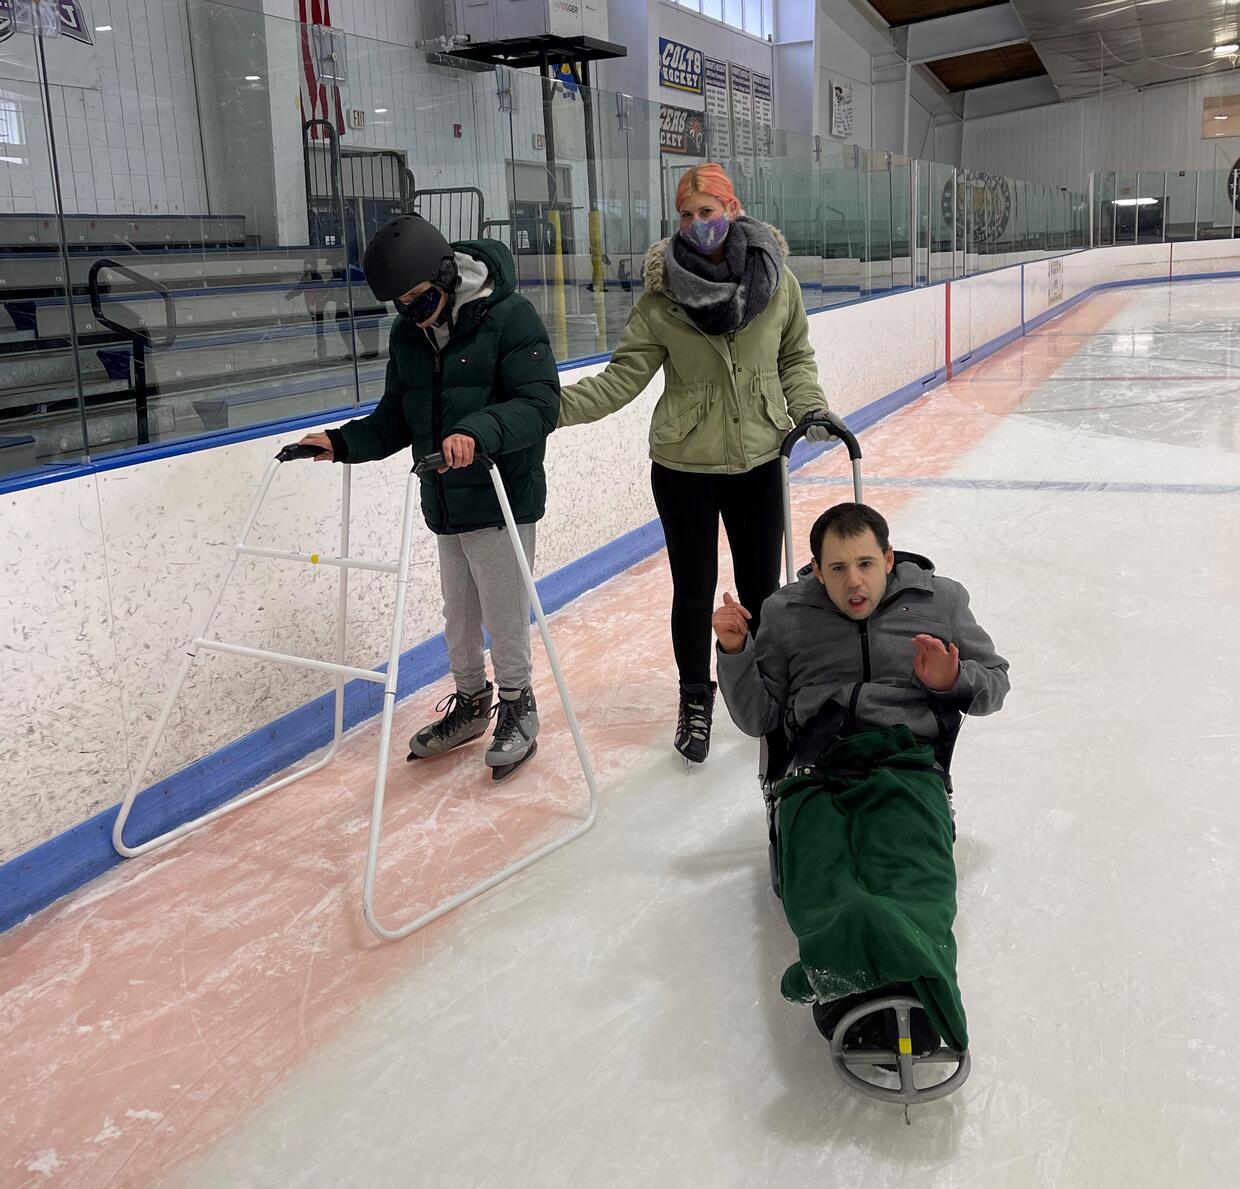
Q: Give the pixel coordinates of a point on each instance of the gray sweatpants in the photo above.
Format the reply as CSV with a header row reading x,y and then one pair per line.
x,y
482,586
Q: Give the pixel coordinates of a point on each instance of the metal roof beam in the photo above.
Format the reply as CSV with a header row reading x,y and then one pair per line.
x,y
965,33
1004,97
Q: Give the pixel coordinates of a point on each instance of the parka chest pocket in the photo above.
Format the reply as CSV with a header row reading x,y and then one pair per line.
x,y
769,393
897,625
466,370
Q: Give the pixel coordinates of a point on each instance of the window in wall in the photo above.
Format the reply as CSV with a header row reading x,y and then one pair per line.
x,y
753,16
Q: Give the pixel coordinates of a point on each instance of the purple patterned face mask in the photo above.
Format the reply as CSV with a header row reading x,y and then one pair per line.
x,y
705,235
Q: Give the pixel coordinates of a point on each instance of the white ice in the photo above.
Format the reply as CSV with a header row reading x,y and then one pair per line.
x,y
613,1017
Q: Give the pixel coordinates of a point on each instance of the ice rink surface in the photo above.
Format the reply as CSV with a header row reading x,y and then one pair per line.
x,y
216,1014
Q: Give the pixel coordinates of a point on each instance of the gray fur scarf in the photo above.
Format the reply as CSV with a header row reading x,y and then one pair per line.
x,y
725,297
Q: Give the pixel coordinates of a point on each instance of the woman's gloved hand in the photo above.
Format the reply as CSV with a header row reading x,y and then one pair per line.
x,y
821,433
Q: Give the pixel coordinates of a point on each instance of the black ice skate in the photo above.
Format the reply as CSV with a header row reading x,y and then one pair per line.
x,y
464,718
697,703
516,728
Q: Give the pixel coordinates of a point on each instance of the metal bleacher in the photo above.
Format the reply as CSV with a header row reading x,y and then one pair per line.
x,y
181,326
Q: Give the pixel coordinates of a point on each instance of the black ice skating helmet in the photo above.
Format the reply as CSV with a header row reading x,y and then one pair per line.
x,y
404,252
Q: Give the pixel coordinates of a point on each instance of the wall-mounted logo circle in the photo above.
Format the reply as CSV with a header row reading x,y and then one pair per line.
x,y
983,201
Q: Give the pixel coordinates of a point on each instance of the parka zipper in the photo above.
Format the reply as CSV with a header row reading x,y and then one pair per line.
x,y
437,423
437,357
736,396
731,360
863,630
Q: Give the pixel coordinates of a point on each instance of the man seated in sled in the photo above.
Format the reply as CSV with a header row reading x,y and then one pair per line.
x,y
867,663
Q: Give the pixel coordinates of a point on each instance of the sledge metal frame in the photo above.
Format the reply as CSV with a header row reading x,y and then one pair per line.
x,y
842,1059
909,1094
199,642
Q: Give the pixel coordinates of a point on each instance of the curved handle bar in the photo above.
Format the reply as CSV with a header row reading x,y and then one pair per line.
x,y
828,421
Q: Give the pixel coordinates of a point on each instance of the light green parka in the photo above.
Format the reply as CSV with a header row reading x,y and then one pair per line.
x,y
728,400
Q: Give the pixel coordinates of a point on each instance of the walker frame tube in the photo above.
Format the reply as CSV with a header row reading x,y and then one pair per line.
x,y
199,642
372,853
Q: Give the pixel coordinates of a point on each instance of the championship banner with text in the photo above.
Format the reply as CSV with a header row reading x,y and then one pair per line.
x,y
682,131
762,113
680,66
741,80
718,108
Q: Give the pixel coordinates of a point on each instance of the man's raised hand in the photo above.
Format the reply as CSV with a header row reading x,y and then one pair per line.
x,y
731,624
936,666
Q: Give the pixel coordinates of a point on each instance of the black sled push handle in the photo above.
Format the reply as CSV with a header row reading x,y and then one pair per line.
x,y
829,421
835,426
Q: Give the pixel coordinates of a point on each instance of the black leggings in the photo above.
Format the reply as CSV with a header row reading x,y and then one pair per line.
x,y
690,505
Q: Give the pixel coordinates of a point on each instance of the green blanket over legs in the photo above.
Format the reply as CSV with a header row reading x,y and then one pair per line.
x,y
867,876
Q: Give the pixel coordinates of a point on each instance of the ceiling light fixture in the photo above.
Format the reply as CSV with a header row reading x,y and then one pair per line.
x,y
253,78
1222,117
103,28
382,111
1136,201
1222,51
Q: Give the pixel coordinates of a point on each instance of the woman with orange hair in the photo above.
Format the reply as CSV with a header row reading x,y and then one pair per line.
x,y
724,319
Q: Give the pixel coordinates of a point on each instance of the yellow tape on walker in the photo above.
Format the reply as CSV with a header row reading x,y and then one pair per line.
x,y
314,559
906,1044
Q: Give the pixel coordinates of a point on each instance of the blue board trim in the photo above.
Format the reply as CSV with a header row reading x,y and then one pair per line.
x,y
51,870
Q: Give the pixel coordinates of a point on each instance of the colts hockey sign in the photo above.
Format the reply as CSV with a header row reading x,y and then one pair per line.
x,y
680,66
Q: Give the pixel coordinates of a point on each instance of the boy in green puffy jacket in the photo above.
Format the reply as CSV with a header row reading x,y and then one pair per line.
x,y
470,370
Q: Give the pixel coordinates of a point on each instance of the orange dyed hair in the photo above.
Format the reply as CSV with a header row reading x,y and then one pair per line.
x,y
708,179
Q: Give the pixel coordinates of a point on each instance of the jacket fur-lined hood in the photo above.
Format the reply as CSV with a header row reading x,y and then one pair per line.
x,y
654,271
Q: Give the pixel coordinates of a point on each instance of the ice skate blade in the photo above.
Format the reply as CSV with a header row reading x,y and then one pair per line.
x,y
413,755
503,771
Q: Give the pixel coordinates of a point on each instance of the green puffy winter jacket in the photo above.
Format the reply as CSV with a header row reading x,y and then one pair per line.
x,y
728,400
495,380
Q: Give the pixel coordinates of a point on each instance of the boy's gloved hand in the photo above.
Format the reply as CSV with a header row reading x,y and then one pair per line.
x,y
458,451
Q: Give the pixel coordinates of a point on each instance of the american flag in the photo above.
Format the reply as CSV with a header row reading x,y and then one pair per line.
x,y
315,104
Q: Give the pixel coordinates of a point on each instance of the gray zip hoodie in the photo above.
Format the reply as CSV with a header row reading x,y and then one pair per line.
x,y
809,653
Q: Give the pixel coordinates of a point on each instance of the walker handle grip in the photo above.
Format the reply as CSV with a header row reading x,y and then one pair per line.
x,y
291,453
429,464
829,421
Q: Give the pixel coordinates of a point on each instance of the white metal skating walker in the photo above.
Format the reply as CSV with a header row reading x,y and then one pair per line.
x,y
388,679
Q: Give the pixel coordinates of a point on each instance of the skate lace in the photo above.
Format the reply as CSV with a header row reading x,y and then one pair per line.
x,y
694,720
455,710
505,714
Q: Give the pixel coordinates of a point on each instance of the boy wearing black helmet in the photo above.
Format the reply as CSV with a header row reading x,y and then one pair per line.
x,y
469,370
